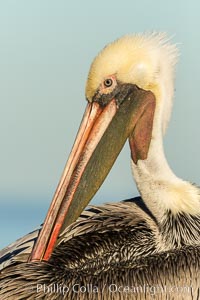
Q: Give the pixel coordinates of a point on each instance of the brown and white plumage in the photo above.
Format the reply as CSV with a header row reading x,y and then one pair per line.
x,y
108,247
150,243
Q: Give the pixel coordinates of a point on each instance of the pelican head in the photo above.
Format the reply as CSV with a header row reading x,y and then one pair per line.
x,y
144,60
129,92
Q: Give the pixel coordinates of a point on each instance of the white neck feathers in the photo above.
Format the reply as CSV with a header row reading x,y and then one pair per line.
x,y
159,187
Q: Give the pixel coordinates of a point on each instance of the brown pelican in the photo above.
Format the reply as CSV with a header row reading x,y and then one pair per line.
x,y
134,249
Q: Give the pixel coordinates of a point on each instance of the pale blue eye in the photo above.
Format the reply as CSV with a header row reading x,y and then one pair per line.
x,y
108,82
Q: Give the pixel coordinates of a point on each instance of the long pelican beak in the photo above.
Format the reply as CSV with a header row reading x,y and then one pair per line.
x,y
101,136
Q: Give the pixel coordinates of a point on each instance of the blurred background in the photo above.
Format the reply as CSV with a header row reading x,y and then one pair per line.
x,y
46,48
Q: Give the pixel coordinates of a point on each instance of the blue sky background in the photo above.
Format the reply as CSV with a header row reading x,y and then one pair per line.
x,y
46,48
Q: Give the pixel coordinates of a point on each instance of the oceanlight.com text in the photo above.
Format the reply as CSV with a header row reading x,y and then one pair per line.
x,y
111,288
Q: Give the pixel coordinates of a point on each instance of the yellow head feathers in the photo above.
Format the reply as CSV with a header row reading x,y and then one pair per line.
x,y
134,59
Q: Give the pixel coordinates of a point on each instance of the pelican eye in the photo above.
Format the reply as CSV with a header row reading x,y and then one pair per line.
x,y
108,82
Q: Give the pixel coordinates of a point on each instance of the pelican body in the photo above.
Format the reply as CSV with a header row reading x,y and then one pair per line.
x,y
141,248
